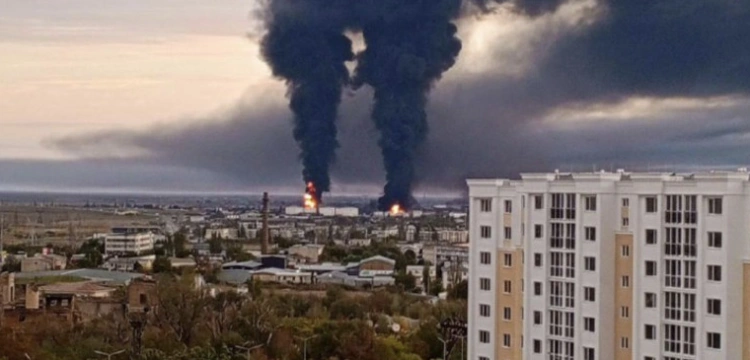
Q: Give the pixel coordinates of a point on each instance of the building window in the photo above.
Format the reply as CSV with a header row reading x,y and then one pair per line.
x,y
650,300
589,263
537,317
537,346
625,281
625,222
507,260
648,358
714,340
679,339
508,206
625,202
485,232
483,358
714,273
588,353
650,236
506,340
590,233
538,231
485,257
485,205
507,287
506,314
624,342
538,202
537,288
589,294
589,324
589,202
484,283
714,239
715,206
651,204
625,250
650,331
624,312
484,336
537,259
714,306
650,268
484,310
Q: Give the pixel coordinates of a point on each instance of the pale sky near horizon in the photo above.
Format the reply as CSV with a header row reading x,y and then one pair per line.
x,y
173,94
73,66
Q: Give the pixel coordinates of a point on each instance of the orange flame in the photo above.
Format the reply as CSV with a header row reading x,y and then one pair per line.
x,y
309,197
396,209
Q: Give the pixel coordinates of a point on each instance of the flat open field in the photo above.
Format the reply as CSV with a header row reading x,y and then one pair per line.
x,y
38,225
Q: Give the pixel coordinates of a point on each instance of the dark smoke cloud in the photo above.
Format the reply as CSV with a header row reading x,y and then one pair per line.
x,y
492,124
305,45
407,51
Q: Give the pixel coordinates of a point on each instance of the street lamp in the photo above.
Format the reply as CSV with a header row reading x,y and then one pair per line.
x,y
304,341
109,355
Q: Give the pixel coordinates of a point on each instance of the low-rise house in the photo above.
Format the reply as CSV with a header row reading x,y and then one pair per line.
x,y
342,278
134,263
306,253
281,276
359,242
376,266
43,262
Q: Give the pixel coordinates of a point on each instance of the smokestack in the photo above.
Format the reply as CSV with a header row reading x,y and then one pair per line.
x,y
266,233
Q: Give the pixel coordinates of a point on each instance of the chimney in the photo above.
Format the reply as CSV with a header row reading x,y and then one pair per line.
x,y
265,235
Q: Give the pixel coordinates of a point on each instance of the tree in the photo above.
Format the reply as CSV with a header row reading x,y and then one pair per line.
x,y
162,264
179,241
407,281
180,306
215,245
459,291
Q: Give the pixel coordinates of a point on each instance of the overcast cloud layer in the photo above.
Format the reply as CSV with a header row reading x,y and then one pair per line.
x,y
607,84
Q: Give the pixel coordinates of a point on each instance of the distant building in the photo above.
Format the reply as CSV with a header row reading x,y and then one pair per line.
x,y
376,266
323,211
7,290
221,233
43,262
281,276
131,263
125,244
307,253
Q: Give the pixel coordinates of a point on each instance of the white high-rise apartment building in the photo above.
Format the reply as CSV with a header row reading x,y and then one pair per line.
x,y
624,266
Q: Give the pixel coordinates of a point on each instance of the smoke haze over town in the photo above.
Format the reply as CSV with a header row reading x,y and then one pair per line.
x,y
105,97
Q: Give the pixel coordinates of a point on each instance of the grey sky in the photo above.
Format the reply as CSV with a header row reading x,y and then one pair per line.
x,y
166,94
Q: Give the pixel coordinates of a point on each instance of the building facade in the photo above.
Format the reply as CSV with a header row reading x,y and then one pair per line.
x,y
119,244
639,266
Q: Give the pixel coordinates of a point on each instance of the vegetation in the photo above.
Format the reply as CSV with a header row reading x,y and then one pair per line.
x,y
188,324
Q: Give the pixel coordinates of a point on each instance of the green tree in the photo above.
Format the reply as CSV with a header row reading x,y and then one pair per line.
x,y
162,264
406,281
459,291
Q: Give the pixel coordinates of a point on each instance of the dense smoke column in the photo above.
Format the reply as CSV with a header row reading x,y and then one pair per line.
x,y
309,50
409,45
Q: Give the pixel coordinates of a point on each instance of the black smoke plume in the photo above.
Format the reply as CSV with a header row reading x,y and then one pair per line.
x,y
305,45
409,45
407,49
